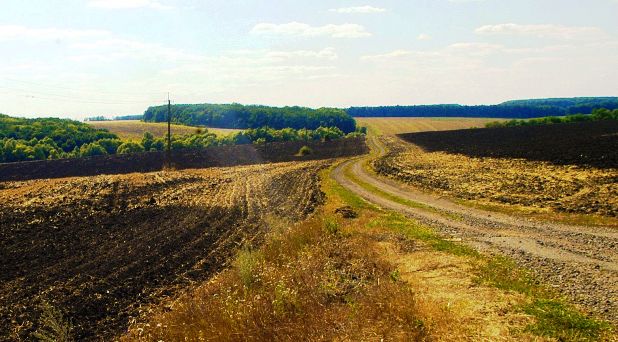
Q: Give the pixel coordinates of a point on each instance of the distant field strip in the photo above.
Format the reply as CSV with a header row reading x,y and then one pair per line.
x,y
134,130
389,126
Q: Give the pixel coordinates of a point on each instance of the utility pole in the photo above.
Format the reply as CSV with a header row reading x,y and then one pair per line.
x,y
169,131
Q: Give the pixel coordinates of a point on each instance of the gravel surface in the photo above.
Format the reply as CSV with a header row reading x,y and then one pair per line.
x,y
579,261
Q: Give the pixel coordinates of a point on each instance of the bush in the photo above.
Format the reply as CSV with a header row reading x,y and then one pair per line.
x,y
246,264
92,149
130,147
305,151
110,145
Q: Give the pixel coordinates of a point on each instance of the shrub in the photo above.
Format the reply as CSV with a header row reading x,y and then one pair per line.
x,y
130,147
110,145
305,151
246,264
53,325
92,149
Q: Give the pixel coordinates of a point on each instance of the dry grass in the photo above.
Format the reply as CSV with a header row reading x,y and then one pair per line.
x,y
305,283
134,130
329,278
391,126
529,187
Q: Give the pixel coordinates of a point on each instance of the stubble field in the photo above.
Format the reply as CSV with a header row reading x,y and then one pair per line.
x,y
557,168
95,252
134,130
390,126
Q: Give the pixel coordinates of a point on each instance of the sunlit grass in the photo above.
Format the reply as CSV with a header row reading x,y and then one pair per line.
x,y
554,317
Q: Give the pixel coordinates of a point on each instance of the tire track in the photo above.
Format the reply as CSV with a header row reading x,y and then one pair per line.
x,y
580,261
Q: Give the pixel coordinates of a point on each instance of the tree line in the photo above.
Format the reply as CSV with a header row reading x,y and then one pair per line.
x,y
597,115
116,118
40,139
519,109
253,116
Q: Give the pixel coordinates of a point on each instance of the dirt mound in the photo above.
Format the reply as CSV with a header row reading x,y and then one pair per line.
x,y
585,143
101,249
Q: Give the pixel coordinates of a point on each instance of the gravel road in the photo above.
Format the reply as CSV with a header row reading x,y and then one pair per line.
x,y
579,261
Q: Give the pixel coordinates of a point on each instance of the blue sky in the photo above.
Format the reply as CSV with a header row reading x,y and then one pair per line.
x,y
75,58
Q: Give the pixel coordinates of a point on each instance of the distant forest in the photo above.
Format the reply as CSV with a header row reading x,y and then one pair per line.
x,y
520,109
122,117
253,116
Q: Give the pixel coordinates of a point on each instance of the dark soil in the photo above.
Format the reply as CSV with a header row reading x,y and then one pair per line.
x,y
585,143
102,249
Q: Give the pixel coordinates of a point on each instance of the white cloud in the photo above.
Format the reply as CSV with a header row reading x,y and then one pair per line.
x,y
305,30
16,32
544,31
128,4
113,49
475,49
486,72
327,53
423,36
387,56
358,9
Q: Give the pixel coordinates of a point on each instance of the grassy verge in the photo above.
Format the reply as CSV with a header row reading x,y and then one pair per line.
x,y
314,280
554,317
327,278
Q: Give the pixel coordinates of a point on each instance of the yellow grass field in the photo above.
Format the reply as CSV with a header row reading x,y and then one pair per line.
x,y
389,126
134,130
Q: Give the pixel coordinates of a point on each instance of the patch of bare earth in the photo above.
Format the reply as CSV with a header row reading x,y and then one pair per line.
x,y
100,250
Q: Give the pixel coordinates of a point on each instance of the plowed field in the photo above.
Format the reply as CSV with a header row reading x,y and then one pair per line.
x,y
101,249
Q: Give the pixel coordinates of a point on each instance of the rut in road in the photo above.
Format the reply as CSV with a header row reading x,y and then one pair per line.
x,y
579,261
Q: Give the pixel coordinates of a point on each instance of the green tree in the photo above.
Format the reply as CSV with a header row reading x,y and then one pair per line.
x,y
147,141
130,147
92,149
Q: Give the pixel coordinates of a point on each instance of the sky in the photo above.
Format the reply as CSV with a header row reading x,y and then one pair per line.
x,y
78,58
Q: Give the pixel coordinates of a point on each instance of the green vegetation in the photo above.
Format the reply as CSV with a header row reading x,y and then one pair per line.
x,y
116,118
49,138
305,151
597,115
556,319
40,139
128,117
54,327
240,116
520,109
97,118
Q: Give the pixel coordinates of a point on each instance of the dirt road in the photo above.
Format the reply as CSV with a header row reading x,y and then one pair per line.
x,y
579,261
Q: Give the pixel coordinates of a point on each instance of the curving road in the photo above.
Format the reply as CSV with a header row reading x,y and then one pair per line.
x,y
579,261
